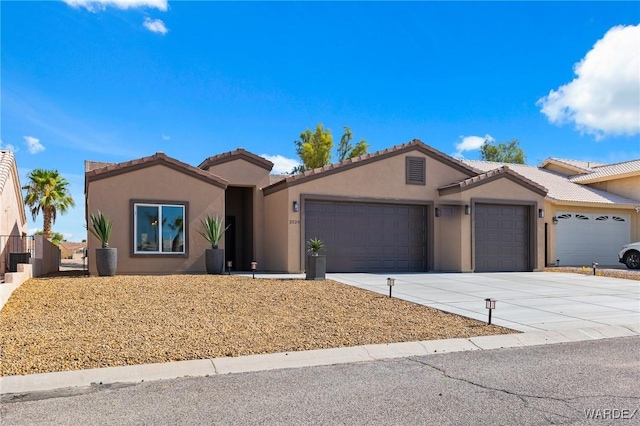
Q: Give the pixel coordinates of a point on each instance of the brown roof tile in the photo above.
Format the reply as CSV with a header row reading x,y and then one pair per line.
x,y
500,172
414,145
239,153
113,169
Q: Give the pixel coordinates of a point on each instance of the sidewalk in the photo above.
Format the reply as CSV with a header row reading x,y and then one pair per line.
x,y
209,367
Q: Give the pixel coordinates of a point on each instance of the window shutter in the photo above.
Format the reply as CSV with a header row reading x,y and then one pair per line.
x,y
416,170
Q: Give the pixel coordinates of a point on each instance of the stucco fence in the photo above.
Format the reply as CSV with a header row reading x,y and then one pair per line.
x,y
44,260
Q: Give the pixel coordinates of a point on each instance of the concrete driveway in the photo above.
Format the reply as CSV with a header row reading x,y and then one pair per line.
x,y
527,301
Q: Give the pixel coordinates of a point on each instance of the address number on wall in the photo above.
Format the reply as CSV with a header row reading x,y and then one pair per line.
x,y
294,222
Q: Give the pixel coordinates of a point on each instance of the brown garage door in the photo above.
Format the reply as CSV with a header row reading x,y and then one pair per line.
x,y
501,238
365,237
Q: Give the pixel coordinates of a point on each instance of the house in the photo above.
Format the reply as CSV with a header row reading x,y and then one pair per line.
x,y
407,208
13,221
594,208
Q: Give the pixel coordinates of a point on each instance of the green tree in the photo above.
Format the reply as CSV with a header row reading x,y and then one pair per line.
x,y
314,148
346,150
502,152
47,192
56,237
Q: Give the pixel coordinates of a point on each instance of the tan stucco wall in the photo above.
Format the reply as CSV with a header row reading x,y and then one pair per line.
x,y
156,183
240,172
500,190
448,238
552,209
385,181
627,187
281,231
13,221
12,218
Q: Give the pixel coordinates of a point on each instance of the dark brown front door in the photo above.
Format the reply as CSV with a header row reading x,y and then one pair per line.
x,y
368,237
501,238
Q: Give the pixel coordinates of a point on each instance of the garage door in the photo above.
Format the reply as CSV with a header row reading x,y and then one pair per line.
x,y
366,237
501,238
582,238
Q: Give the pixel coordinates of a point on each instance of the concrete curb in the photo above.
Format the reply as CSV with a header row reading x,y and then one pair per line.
x,y
251,363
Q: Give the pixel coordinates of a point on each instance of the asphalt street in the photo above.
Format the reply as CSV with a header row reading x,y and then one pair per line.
x,y
563,383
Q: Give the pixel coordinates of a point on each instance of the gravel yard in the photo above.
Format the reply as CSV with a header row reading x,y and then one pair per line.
x,y
71,323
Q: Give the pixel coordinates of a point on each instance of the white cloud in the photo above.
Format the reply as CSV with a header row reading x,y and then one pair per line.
x,y
155,26
33,145
8,146
281,165
604,97
96,5
165,137
470,143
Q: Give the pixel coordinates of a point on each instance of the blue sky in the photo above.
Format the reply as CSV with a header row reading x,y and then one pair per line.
x,y
116,80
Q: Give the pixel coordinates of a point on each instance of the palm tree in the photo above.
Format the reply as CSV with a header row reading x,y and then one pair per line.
x,y
48,192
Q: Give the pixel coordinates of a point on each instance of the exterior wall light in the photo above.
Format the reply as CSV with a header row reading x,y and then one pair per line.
x,y
554,220
391,282
490,304
540,213
437,212
467,209
254,266
296,207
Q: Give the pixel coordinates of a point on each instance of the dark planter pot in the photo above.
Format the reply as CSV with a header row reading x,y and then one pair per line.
x,y
316,267
106,261
214,259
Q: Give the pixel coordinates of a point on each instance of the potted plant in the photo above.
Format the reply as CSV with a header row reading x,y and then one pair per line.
x,y
213,228
316,263
106,257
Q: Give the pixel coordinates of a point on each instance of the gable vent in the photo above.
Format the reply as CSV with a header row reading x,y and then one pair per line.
x,y
416,170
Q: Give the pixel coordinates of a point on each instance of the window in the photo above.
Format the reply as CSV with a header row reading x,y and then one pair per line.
x,y
158,228
416,169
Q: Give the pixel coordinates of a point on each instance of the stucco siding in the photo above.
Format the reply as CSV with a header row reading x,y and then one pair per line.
x,y
281,226
157,183
627,187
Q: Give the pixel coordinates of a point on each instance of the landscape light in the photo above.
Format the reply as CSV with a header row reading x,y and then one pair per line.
x,y
391,282
254,266
490,304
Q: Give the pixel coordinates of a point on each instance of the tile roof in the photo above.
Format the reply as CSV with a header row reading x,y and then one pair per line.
x,y
501,171
415,144
112,169
577,165
559,186
610,171
7,161
233,155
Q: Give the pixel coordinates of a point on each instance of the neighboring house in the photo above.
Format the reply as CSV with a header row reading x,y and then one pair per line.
x,y
69,249
409,208
13,221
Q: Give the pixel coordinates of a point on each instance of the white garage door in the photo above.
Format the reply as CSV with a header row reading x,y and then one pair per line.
x,y
582,238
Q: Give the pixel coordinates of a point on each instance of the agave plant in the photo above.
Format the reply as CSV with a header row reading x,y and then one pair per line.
x,y
101,227
315,245
213,229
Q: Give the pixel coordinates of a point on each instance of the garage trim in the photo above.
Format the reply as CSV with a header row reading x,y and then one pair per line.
x,y
533,227
429,205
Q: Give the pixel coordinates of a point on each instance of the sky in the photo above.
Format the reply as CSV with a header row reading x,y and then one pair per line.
x,y
116,80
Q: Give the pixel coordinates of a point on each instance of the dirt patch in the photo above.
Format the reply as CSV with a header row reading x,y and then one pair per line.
x,y
72,323
612,273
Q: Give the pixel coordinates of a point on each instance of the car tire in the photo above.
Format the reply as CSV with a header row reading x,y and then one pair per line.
x,y
632,259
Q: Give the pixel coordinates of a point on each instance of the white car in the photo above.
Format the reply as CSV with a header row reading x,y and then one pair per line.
x,y
630,255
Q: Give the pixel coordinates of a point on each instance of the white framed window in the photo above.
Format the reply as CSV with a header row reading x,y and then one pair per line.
x,y
158,228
